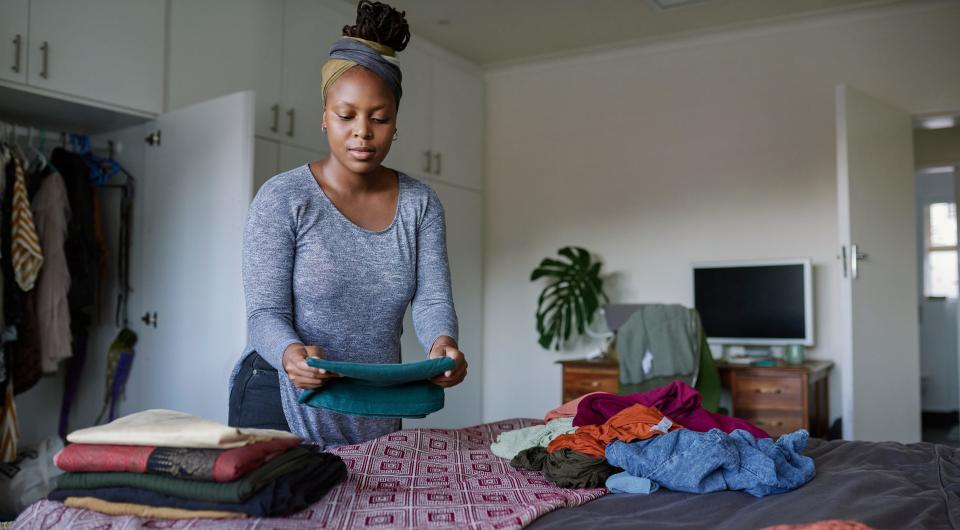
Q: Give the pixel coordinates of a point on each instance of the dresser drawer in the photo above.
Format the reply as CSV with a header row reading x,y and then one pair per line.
x,y
766,392
776,423
577,382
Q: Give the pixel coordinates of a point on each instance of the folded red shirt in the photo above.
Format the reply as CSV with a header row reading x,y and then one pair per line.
x,y
220,465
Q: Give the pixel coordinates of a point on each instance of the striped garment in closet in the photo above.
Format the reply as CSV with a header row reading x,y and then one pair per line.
x,y
26,253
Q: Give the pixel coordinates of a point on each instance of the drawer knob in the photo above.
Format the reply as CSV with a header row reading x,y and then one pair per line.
x,y
768,391
594,384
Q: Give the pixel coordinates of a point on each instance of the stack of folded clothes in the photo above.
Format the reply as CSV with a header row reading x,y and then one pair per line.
x,y
171,465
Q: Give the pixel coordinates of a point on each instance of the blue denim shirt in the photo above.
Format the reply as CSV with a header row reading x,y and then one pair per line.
x,y
704,462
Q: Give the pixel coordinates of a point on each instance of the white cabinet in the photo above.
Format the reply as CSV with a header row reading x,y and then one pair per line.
x,y
409,153
457,126
440,121
266,162
217,47
13,40
110,51
309,29
464,210
292,156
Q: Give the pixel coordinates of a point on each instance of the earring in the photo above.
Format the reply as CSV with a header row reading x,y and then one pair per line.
x,y
323,128
396,134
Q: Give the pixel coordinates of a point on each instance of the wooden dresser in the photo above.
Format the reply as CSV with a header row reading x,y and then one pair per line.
x,y
778,399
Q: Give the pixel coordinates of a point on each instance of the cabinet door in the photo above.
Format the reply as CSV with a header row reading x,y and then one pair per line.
x,y
222,46
292,156
458,125
195,190
13,40
105,50
266,161
309,29
464,216
409,153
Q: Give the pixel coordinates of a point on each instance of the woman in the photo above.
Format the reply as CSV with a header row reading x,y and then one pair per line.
x,y
335,250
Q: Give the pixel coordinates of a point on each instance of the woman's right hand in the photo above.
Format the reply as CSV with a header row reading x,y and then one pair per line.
x,y
302,374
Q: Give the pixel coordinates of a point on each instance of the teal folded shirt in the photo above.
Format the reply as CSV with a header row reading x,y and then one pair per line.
x,y
383,390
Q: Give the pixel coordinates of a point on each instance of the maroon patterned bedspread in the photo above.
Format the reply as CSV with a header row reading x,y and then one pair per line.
x,y
415,478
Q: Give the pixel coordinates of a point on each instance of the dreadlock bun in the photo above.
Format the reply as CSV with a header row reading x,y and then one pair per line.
x,y
378,22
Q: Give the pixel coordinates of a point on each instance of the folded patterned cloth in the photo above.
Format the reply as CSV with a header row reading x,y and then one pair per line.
x,y
150,512
220,465
288,493
382,390
168,428
235,491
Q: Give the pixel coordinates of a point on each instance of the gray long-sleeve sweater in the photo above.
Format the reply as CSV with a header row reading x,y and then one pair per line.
x,y
312,276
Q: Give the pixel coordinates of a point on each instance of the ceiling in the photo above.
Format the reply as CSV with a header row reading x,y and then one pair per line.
x,y
497,32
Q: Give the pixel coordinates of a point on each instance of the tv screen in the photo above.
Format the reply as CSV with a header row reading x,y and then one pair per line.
x,y
763,303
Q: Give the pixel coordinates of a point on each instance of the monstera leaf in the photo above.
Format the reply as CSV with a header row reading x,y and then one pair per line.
x,y
572,297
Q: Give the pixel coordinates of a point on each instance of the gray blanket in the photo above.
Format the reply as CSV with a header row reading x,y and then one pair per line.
x,y
885,485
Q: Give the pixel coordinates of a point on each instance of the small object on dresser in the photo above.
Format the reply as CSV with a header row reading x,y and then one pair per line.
x,y
795,354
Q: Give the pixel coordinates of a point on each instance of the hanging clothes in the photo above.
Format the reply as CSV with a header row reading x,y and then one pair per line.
x,y
51,210
9,429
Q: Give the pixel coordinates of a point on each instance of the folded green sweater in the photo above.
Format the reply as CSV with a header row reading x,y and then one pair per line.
x,y
235,491
384,390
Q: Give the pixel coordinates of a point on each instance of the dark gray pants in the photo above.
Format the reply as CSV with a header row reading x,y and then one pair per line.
x,y
255,397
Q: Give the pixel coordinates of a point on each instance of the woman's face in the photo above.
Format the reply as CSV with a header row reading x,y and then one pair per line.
x,y
360,117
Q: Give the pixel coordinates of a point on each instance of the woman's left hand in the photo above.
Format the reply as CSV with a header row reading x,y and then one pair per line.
x,y
450,377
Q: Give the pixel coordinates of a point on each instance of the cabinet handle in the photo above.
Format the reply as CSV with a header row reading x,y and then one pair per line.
x,y
45,48
18,43
276,118
594,384
439,160
290,114
429,157
768,391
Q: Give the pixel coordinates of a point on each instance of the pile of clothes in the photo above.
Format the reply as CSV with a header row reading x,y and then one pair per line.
x,y
637,443
170,465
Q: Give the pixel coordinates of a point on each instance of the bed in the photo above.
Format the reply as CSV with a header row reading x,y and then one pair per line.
x,y
438,478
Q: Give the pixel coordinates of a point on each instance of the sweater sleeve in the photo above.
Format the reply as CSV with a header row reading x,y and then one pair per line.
x,y
433,311
269,246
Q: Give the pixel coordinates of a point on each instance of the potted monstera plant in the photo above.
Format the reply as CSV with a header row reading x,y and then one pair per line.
x,y
571,298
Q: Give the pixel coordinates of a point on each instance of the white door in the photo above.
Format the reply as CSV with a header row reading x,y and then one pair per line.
x,y
458,126
13,40
74,44
309,29
219,47
880,375
190,215
464,215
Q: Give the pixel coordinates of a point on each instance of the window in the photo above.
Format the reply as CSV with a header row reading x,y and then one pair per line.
x,y
940,263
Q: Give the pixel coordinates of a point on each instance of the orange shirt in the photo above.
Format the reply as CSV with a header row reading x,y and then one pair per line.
x,y
637,422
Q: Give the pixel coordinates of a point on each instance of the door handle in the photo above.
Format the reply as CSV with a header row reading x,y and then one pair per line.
x,y
855,258
150,319
276,118
44,71
290,114
18,45
429,157
439,161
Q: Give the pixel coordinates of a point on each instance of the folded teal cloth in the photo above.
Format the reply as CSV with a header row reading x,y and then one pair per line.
x,y
383,390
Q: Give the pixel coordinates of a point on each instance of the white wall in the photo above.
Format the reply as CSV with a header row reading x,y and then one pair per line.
x,y
940,391
653,157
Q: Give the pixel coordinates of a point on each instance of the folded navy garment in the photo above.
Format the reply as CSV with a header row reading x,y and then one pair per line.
x,y
704,462
289,493
383,390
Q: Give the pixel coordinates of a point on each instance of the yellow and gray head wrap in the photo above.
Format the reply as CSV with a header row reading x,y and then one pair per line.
x,y
348,52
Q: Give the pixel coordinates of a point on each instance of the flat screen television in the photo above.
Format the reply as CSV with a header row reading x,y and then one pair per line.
x,y
763,303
